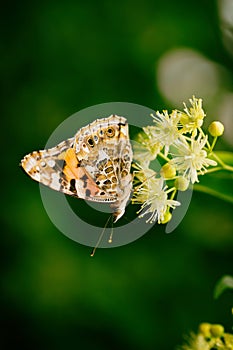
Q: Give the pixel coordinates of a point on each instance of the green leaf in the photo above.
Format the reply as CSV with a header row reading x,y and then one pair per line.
x,y
226,282
219,183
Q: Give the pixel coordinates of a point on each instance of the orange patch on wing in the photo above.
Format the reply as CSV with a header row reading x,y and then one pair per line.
x,y
72,170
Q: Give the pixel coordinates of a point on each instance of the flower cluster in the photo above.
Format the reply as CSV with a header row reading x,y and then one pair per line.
x,y
178,142
209,336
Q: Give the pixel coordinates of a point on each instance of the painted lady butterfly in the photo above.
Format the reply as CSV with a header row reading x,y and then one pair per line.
x,y
93,165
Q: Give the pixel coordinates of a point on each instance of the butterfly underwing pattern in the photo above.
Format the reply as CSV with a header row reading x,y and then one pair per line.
x,y
93,165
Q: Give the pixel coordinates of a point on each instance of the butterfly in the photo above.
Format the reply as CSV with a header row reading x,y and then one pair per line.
x,y
93,165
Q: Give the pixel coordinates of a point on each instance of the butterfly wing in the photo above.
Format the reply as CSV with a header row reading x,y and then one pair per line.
x,y
93,165
46,166
105,152
59,169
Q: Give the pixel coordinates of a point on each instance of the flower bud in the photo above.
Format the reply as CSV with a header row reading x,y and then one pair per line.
x,y
204,328
167,217
168,171
216,330
216,129
181,183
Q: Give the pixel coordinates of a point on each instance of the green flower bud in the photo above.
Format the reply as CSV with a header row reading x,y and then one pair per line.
x,y
216,129
168,171
204,329
167,217
181,183
216,330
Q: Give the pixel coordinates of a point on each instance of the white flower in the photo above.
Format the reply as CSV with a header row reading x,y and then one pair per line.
x,y
192,158
142,174
209,337
166,130
145,149
155,200
195,342
193,116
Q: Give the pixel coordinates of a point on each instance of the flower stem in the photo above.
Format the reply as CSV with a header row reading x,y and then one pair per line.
x,y
203,134
164,157
214,193
173,193
219,160
212,170
213,143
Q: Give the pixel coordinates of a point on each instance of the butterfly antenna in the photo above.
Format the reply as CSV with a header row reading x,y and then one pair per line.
x,y
111,234
100,237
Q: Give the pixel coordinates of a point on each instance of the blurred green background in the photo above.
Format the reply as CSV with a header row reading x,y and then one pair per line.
x,y
57,58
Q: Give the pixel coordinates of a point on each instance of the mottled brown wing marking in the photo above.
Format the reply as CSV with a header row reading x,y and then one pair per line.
x,y
104,150
81,183
93,165
47,170
46,166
